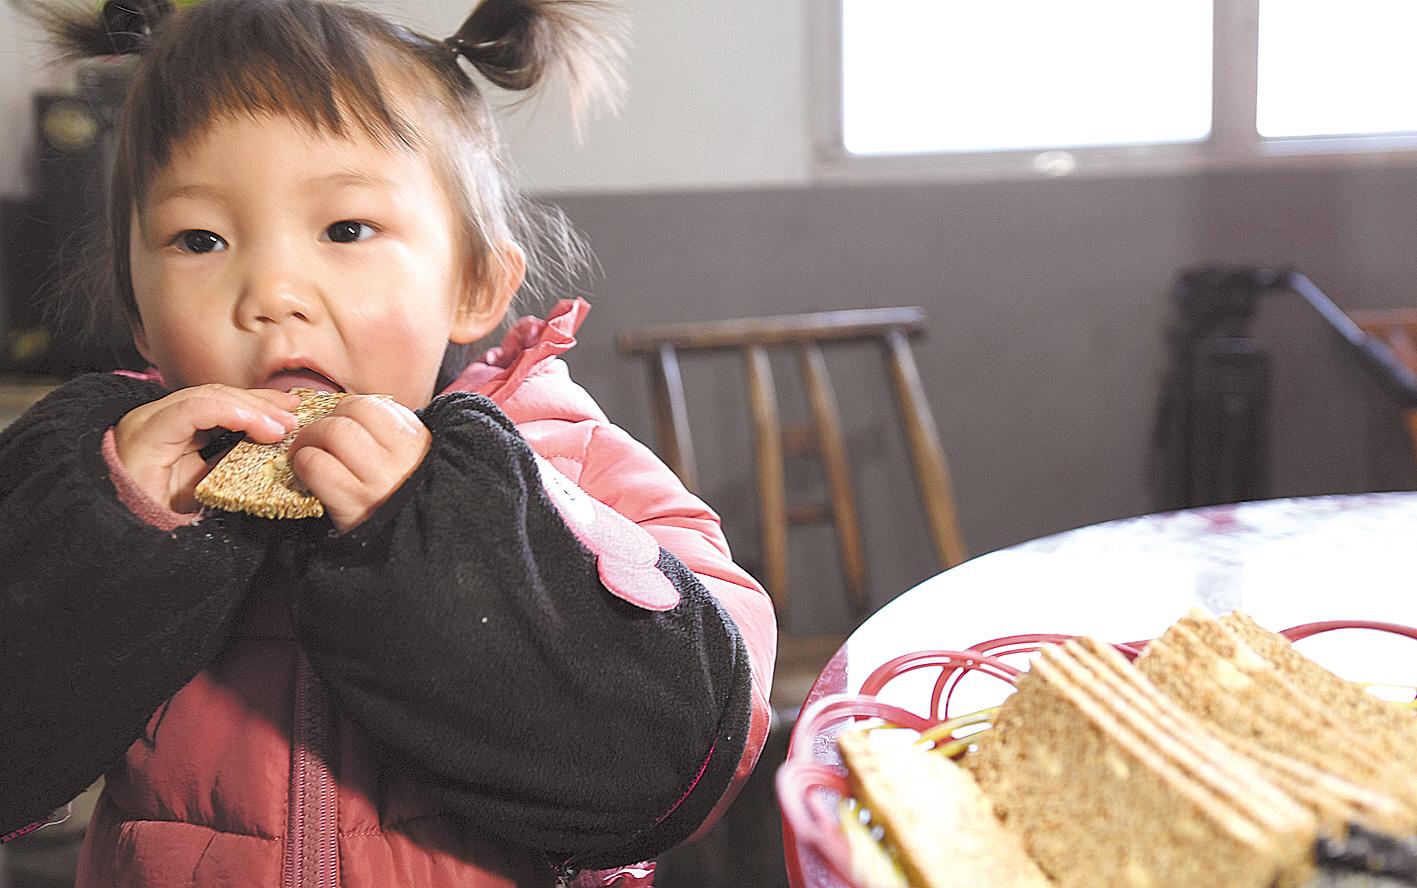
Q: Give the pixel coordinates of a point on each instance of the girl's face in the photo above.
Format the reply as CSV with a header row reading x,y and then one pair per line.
x,y
268,255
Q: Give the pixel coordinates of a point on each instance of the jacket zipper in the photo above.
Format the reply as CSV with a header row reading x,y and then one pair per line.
x,y
311,836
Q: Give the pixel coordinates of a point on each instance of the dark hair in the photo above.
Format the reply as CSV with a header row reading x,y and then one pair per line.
x,y
334,66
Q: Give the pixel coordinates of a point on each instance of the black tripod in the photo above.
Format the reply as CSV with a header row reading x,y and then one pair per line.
x,y
1212,429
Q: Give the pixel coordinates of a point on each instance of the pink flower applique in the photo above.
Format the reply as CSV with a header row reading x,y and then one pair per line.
x,y
626,556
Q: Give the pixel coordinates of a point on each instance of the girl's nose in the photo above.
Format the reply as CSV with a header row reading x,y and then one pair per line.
x,y
275,290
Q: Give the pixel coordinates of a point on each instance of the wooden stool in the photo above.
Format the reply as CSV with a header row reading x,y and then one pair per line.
x,y
800,658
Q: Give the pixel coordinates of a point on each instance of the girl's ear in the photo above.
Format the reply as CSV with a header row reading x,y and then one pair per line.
x,y
483,307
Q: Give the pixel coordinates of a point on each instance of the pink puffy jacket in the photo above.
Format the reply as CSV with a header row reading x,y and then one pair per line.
x,y
255,783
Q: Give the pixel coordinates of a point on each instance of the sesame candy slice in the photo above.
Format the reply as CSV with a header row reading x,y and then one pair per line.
x,y
257,478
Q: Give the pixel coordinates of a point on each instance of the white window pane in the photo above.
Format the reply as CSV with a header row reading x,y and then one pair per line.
x,y
1330,68
965,75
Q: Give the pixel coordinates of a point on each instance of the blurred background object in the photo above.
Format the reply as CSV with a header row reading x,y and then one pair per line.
x,y
1212,424
47,236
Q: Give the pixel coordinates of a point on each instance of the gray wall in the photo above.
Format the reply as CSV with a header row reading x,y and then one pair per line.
x,y
1047,303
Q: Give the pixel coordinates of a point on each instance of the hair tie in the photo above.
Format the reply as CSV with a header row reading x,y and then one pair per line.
x,y
458,47
478,53
494,40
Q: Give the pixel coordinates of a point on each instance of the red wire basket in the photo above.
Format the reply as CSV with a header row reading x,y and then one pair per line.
x,y
812,782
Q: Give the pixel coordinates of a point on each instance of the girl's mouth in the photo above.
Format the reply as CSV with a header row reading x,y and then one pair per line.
x,y
301,377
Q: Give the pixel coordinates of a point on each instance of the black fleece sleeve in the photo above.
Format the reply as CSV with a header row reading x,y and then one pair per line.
x,y
102,617
465,627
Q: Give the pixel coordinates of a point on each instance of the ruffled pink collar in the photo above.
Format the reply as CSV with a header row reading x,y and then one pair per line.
x,y
504,367
529,343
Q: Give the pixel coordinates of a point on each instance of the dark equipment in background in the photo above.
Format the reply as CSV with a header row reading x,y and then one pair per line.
x,y
1211,439
45,237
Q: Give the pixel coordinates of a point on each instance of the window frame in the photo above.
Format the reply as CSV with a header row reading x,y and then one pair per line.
x,y
1234,141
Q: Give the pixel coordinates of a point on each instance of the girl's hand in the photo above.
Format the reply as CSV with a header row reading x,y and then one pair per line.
x,y
355,458
158,443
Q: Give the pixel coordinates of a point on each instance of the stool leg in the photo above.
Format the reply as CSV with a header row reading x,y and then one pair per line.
x,y
925,451
772,486
671,417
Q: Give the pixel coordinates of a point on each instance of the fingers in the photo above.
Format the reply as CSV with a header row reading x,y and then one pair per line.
x,y
356,457
276,407
175,420
175,423
343,495
159,443
180,421
385,418
372,436
285,401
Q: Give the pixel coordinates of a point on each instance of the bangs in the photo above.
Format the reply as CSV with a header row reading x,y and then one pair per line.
x,y
304,61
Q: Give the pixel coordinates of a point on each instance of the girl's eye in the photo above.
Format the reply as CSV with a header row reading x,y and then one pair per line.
x,y
199,240
349,231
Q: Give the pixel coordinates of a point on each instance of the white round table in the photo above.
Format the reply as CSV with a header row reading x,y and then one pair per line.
x,y
1284,562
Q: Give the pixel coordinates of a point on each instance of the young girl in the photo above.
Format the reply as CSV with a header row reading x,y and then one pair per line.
x,y
515,652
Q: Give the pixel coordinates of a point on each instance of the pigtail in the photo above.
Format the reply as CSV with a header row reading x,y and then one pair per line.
x,y
516,44
118,27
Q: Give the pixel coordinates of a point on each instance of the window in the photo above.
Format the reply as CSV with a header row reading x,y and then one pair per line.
x,y
959,75
1329,68
1050,86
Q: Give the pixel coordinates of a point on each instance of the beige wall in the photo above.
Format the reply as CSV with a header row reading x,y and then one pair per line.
x,y
717,100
